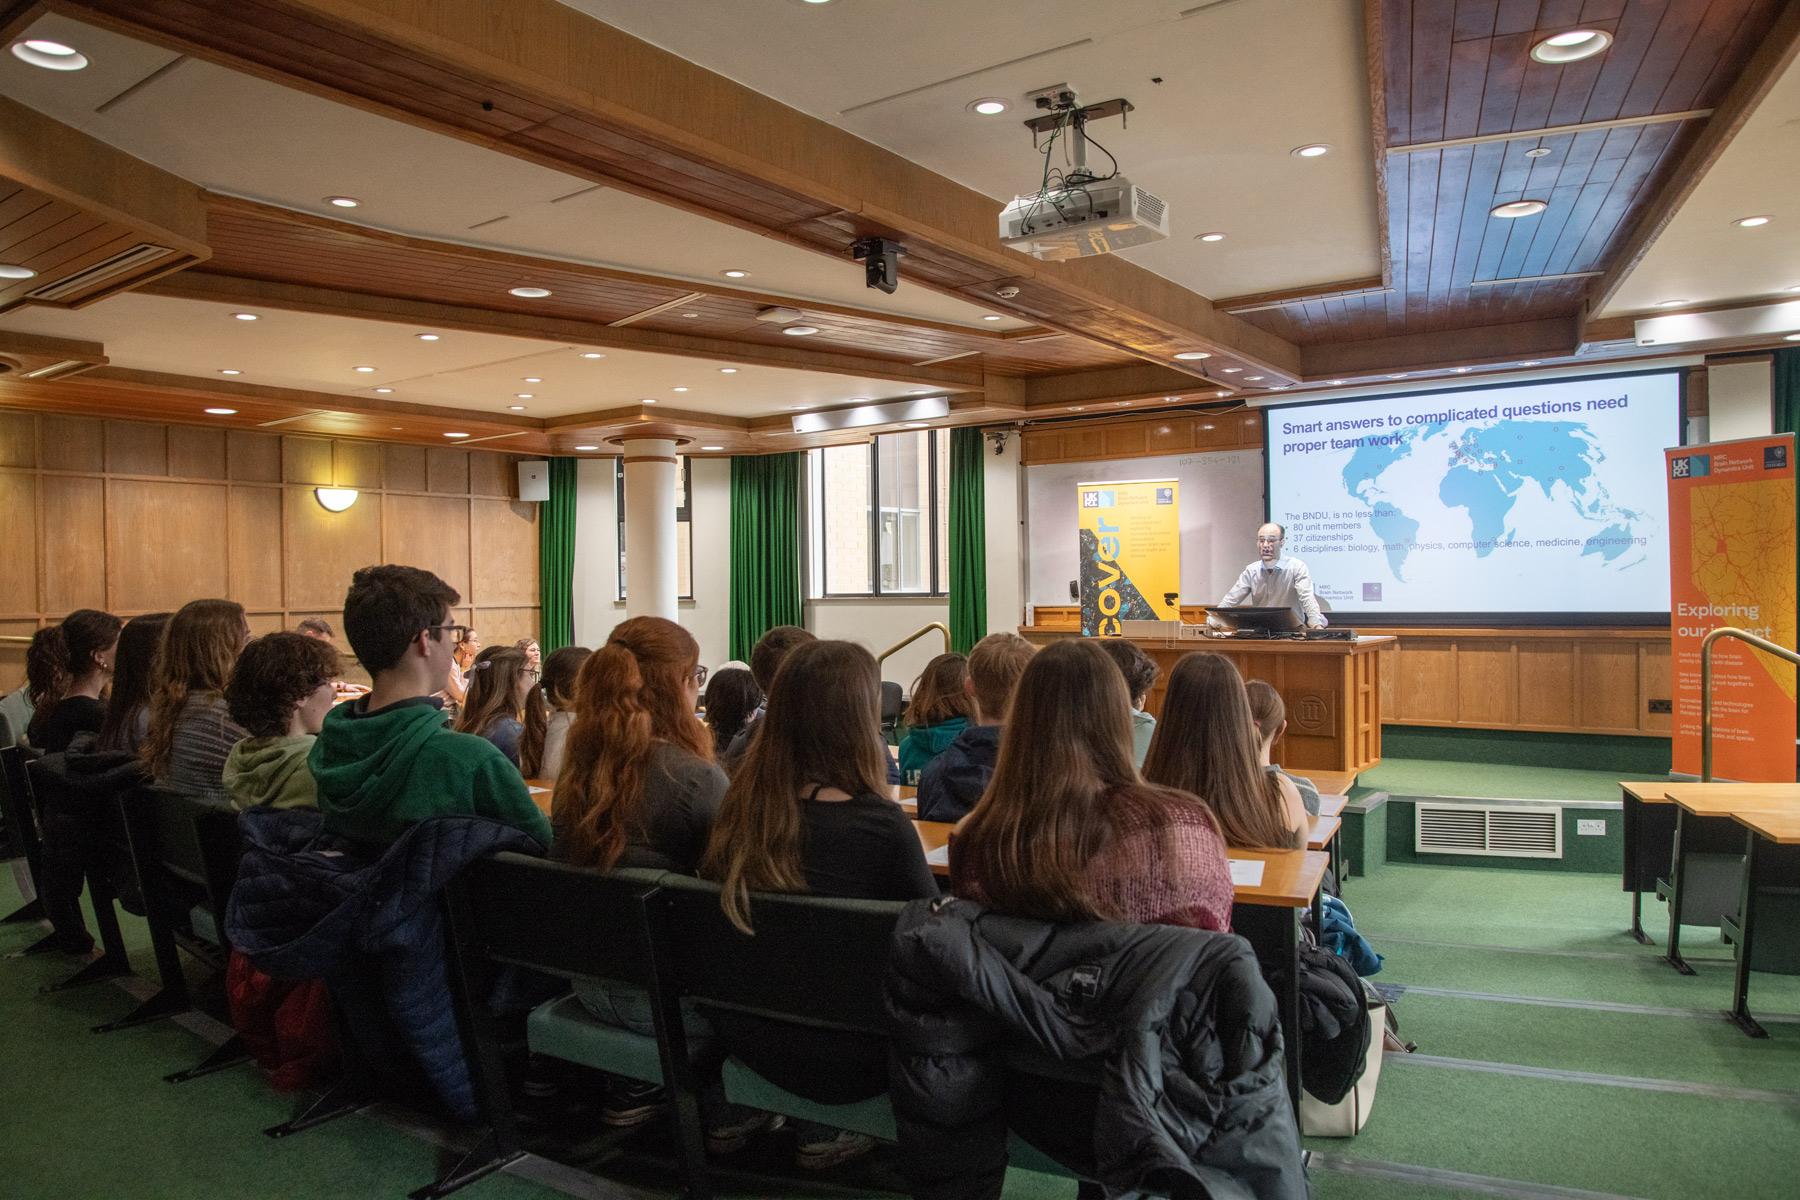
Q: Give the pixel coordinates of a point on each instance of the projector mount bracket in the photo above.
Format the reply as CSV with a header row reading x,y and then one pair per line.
x,y
1060,108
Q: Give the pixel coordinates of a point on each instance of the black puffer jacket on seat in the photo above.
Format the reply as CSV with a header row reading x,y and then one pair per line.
x,y
1145,1056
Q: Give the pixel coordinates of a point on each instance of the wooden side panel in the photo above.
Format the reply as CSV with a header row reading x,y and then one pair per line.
x,y
18,440
504,626
447,471
73,524
19,579
136,449
324,548
1655,682
1607,687
504,543
166,544
493,475
72,444
431,533
356,464
255,546
404,468
306,460
196,453
1486,683
1427,688
1547,684
254,457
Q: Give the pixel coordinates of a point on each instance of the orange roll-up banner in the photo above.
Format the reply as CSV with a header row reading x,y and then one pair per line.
x,y
1732,562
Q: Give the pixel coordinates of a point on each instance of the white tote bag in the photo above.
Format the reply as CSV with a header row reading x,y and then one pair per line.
x,y
1347,1117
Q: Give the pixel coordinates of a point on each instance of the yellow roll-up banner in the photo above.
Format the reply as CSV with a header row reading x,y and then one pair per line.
x,y
1130,534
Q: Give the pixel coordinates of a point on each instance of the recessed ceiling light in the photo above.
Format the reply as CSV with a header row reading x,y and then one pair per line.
x,y
990,317
1254,378
246,316
1229,370
229,371
592,354
534,379
456,435
1670,303
1532,362
735,273
712,447
1795,288
649,400
516,407
364,370
987,106
1337,383
1792,337
856,400
1316,150
342,201
1512,210
529,293
1461,370
920,392
1571,46
384,391
1750,222
678,389
222,412
1538,152
800,330
921,424
690,316
587,447
728,370
523,396
14,271
426,337
1399,375
1212,237
1077,408
52,56
1193,355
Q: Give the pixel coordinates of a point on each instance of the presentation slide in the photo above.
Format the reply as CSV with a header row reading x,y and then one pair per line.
x,y
1541,498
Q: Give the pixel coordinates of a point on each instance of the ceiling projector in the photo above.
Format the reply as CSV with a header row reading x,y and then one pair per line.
x,y
1084,218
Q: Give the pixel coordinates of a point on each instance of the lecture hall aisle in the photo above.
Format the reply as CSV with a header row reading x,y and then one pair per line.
x,y
1557,1059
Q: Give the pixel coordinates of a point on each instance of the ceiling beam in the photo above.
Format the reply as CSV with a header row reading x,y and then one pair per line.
x,y
1771,60
541,81
1487,345
232,289
1518,135
1144,381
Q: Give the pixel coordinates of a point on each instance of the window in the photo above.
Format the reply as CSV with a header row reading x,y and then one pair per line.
x,y
684,529
878,516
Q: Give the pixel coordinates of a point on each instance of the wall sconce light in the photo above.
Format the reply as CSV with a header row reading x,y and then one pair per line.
x,y
335,499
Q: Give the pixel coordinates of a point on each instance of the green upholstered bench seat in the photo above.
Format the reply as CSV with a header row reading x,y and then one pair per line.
x,y
565,1029
200,920
874,1117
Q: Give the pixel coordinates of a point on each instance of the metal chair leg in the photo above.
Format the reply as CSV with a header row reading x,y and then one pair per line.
x,y
228,1055
478,1162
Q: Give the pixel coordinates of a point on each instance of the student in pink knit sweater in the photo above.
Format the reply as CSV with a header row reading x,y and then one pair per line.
x,y
1067,831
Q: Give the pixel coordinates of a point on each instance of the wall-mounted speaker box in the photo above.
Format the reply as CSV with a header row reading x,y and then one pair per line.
x,y
534,480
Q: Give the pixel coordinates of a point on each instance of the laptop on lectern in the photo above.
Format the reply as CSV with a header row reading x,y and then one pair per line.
x,y
1246,617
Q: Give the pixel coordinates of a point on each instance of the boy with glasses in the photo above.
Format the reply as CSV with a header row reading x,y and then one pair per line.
x,y
389,760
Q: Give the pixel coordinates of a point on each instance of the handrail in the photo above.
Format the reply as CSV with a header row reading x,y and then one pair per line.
x,y
912,637
14,637
1706,649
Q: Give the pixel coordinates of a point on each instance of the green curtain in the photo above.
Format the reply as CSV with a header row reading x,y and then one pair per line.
x,y
968,540
556,559
765,547
1787,391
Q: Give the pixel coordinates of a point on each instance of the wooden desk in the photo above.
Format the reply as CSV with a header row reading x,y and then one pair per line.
x,y
1772,866
1324,832
1704,824
1332,691
541,792
1648,822
1332,805
906,796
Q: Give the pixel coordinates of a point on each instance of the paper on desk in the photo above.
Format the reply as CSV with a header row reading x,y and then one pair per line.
x,y
1246,872
537,791
941,856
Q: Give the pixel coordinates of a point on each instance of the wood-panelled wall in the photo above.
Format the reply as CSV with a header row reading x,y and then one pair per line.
x,y
1562,680
1142,437
133,518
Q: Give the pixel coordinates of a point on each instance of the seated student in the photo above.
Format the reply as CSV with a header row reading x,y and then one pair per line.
x,y
1140,673
279,692
191,731
127,721
1206,744
557,688
317,628
1066,830
808,811
765,659
43,677
955,779
534,654
1270,715
500,700
732,698
386,761
456,682
940,709
74,668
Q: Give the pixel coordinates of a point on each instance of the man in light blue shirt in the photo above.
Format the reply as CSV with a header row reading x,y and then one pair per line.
x,y
1275,582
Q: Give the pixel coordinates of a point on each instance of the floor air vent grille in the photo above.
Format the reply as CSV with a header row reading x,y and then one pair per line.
x,y
1500,832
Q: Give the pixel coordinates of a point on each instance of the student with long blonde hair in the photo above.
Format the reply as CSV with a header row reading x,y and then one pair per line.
x,y
1206,743
808,811
1066,830
191,731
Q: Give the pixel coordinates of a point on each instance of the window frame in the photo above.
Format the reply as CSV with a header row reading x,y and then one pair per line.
x,y
684,512
818,588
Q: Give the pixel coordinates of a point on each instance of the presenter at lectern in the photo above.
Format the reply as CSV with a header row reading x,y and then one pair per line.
x,y
1276,582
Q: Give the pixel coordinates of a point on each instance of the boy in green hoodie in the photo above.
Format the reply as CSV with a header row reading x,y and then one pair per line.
x,y
279,691
388,760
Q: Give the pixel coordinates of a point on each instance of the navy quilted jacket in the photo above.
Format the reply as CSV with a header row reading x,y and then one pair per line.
x,y
312,905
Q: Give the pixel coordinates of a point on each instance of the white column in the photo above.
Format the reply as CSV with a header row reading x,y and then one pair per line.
x,y
650,589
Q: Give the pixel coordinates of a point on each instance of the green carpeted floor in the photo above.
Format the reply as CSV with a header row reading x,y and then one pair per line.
x,y
1673,1103
1489,781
